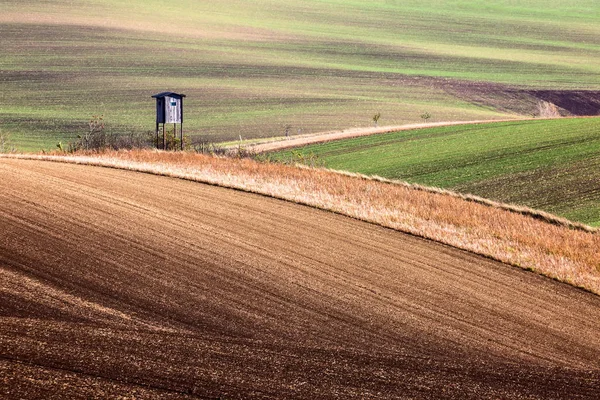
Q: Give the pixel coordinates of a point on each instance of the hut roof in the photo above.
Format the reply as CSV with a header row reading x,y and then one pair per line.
x,y
170,94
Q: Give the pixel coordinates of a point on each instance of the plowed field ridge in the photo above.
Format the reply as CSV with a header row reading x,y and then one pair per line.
x,y
121,283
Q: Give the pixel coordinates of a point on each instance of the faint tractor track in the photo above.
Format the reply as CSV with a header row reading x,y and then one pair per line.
x,y
328,136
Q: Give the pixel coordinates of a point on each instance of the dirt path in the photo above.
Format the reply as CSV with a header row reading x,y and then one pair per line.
x,y
322,137
121,283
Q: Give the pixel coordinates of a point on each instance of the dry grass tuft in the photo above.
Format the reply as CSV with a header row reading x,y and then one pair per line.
x,y
533,240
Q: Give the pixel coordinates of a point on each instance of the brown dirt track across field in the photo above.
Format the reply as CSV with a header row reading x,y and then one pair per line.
x,y
322,137
117,283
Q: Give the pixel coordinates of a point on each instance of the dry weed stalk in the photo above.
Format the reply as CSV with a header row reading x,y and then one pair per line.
x,y
522,237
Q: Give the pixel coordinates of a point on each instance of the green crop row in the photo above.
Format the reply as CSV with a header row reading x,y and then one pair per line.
x,y
553,165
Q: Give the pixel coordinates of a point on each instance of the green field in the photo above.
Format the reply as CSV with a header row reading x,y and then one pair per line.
x,y
253,68
553,165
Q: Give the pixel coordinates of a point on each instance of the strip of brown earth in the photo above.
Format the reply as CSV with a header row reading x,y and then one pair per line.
x,y
328,136
120,283
523,237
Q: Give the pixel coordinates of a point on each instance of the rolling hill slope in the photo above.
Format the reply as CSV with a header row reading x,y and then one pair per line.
x,y
121,283
254,68
545,164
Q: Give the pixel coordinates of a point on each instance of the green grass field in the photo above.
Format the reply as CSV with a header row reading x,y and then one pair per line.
x,y
252,68
553,165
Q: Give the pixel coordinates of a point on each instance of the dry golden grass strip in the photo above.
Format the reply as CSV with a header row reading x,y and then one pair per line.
x,y
522,237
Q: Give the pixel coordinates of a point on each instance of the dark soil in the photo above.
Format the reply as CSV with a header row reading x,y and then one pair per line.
x,y
524,102
122,284
574,102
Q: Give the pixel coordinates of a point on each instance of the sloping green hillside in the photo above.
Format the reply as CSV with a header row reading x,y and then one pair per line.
x,y
253,68
552,165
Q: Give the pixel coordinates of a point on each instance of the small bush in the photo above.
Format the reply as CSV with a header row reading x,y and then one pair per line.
x,y
376,118
97,137
173,140
131,140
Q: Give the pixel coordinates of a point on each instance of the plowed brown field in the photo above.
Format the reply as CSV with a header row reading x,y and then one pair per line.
x,y
116,283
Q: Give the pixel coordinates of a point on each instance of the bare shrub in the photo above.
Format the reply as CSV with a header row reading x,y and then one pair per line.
x,y
547,109
97,137
203,146
131,140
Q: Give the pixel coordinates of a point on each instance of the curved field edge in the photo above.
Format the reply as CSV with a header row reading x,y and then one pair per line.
x,y
258,146
548,164
549,246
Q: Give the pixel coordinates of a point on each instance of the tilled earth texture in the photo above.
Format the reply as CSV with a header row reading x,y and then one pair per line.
x,y
122,284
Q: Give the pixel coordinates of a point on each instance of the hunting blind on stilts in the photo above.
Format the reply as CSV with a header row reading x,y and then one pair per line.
x,y
169,110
